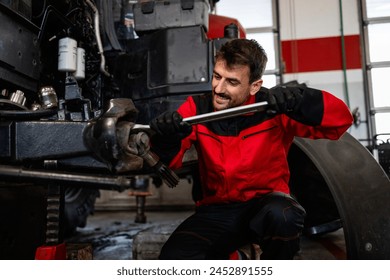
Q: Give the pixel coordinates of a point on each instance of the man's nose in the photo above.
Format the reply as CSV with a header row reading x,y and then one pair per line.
x,y
220,86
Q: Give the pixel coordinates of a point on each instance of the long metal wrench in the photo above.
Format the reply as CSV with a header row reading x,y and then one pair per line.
x,y
219,115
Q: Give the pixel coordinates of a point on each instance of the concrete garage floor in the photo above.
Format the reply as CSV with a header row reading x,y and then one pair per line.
x,y
115,236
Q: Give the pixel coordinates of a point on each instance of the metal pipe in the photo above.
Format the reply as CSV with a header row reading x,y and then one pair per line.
x,y
119,183
219,115
98,38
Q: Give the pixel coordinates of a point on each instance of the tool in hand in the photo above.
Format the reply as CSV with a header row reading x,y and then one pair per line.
x,y
142,140
219,115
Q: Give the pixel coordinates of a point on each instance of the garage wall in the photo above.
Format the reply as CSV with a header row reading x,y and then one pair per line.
x,y
320,42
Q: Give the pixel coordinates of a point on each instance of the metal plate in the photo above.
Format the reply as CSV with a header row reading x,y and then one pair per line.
x,y
19,50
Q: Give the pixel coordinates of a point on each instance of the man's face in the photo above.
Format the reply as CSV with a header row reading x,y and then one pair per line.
x,y
231,87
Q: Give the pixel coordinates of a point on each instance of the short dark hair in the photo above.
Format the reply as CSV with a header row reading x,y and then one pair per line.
x,y
244,52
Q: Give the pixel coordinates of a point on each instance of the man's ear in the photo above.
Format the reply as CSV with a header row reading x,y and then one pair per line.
x,y
255,86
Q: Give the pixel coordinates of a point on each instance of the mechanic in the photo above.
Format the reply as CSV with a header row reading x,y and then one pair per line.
x,y
243,166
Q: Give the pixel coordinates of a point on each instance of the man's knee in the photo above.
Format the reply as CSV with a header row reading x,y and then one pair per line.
x,y
277,227
288,217
281,216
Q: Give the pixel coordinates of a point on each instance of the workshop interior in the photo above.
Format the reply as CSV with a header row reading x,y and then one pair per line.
x,y
80,81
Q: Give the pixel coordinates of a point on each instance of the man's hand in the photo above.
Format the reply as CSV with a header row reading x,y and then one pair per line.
x,y
170,124
284,100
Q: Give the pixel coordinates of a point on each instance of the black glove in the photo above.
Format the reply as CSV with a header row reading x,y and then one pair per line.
x,y
171,126
284,100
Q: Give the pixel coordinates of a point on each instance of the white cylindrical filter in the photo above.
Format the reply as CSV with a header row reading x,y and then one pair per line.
x,y
80,70
67,55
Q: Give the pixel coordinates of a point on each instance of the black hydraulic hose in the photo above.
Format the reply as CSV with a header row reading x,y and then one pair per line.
x,y
23,115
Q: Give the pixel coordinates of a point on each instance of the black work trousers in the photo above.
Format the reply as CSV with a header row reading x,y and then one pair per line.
x,y
274,221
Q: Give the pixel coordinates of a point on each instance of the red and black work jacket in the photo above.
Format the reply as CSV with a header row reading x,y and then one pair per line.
x,y
246,156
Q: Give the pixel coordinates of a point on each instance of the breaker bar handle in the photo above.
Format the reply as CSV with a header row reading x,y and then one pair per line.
x,y
219,115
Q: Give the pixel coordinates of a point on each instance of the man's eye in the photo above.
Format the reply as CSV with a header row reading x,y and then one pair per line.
x,y
217,77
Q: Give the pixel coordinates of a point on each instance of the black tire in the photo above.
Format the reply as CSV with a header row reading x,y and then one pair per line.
x,y
79,204
309,188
